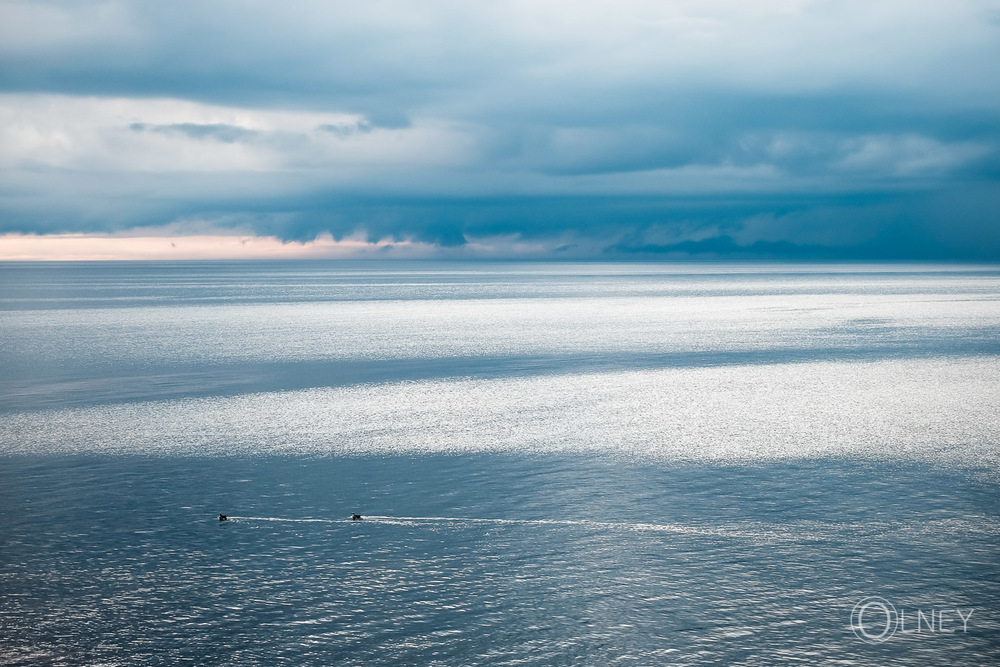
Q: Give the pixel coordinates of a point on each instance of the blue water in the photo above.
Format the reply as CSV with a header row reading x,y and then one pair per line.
x,y
557,463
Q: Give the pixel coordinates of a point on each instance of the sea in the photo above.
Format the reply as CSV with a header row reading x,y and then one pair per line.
x,y
555,463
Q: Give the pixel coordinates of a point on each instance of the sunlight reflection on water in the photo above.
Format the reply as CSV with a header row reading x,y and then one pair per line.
x,y
557,463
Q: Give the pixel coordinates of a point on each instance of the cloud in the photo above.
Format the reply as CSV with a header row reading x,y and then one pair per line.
x,y
216,131
587,126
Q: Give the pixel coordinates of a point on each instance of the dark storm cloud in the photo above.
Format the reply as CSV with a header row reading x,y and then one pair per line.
x,y
717,128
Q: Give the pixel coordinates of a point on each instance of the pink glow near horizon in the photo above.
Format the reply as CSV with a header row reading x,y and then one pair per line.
x,y
65,247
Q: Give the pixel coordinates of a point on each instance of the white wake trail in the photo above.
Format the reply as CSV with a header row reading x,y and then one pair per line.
x,y
465,520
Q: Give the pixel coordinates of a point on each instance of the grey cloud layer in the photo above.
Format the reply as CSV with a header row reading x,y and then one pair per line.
x,y
778,128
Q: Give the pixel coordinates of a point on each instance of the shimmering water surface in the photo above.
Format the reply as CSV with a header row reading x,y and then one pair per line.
x,y
557,463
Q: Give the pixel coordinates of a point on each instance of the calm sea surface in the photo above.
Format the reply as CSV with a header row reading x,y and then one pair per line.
x,y
557,463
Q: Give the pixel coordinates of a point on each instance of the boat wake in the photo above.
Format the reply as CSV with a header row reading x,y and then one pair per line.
x,y
457,522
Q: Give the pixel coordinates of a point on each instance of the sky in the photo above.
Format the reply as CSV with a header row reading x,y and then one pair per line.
x,y
787,129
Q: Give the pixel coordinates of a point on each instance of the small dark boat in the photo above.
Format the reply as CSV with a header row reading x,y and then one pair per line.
x,y
223,517
355,517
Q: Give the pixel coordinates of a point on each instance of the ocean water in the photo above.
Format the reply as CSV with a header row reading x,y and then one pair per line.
x,y
557,463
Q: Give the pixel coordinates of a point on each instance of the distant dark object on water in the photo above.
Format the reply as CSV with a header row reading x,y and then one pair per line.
x,y
223,517
355,517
